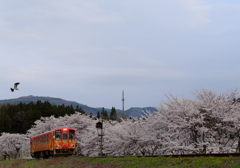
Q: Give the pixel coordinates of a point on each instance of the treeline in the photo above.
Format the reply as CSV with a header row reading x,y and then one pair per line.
x,y
18,118
104,114
112,115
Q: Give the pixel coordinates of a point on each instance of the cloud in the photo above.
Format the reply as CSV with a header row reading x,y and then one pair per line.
x,y
14,34
78,11
171,13
198,12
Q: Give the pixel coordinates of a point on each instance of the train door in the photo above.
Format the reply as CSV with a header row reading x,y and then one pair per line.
x,y
58,140
65,138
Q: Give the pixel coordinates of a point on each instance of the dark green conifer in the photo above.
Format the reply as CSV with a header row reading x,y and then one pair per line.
x,y
113,114
104,114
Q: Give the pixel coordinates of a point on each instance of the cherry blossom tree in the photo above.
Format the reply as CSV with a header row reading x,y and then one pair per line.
x,y
137,136
11,144
221,112
209,123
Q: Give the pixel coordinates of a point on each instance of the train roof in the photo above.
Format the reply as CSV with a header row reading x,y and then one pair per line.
x,y
63,128
52,131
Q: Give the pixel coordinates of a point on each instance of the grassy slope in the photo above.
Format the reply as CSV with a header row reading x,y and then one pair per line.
x,y
126,162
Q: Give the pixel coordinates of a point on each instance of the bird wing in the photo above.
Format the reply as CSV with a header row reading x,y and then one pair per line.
x,y
15,84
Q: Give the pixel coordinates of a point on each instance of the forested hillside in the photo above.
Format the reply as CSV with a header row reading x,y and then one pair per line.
x,y
18,118
51,100
132,112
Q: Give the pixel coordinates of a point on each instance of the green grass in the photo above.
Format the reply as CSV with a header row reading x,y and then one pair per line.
x,y
126,162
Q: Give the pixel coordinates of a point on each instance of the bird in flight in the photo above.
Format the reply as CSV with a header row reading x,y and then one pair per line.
x,y
15,87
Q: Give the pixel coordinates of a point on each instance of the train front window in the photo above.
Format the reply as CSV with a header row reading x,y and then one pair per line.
x,y
65,136
71,134
58,134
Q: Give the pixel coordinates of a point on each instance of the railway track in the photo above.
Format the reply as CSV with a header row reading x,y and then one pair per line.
x,y
208,155
185,155
174,156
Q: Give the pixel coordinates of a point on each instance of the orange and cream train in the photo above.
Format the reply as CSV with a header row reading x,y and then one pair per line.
x,y
61,141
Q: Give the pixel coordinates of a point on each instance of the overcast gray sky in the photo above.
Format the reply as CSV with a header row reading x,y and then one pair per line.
x,y
89,51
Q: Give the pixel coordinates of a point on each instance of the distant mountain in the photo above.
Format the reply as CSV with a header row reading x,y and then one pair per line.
x,y
137,111
53,101
133,112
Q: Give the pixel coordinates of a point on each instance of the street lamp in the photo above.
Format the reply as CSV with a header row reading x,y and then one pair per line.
x,y
99,126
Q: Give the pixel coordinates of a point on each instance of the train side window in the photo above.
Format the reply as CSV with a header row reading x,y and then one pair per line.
x,y
58,134
71,134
